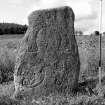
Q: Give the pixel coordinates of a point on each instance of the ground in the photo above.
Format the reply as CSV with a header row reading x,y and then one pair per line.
x,y
89,54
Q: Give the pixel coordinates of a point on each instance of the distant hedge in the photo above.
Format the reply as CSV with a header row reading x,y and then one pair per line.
x,y
12,28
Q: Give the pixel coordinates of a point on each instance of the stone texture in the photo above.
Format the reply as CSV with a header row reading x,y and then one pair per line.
x,y
47,61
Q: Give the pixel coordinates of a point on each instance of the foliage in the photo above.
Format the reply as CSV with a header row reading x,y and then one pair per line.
x,y
78,32
97,33
11,28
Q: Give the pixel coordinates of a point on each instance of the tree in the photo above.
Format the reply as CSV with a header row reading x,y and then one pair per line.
x,y
97,33
78,32
1,32
11,28
103,33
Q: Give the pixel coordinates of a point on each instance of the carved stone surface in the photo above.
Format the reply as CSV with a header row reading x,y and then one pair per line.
x,y
48,61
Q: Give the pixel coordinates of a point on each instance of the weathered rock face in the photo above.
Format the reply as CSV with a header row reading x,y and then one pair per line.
x,y
48,60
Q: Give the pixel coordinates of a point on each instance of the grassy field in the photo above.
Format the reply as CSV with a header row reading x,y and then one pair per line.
x,y
8,45
89,56
5,39
88,51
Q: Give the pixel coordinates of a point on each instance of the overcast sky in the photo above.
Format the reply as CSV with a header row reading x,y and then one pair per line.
x,y
87,12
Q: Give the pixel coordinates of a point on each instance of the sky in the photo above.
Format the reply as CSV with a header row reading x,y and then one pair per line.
x,y
87,12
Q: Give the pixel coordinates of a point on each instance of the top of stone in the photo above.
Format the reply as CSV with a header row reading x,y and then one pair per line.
x,y
61,12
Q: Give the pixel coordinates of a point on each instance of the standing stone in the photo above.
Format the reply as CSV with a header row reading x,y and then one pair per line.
x,y
48,61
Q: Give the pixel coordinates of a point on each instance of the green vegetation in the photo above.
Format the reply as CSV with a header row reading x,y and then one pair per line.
x,y
8,47
4,100
89,55
7,62
11,28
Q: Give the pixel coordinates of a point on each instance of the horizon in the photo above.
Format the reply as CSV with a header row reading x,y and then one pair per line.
x,y
87,12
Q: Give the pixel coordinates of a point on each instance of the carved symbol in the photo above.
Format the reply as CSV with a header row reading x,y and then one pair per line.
x,y
35,78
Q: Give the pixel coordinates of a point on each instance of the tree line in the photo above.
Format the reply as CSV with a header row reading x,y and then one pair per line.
x,y
12,28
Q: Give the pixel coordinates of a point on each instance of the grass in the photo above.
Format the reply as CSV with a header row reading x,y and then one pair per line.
x,y
5,39
7,63
4,100
8,45
88,51
7,89
89,56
